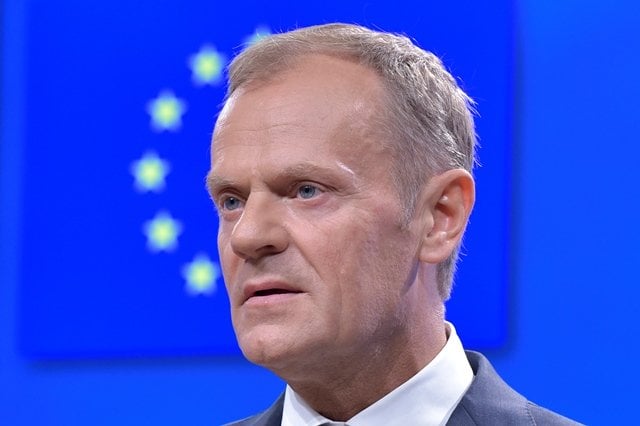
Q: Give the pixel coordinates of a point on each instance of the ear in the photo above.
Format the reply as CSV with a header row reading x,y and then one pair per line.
x,y
447,202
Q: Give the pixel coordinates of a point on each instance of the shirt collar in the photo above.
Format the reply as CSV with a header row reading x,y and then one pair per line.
x,y
426,399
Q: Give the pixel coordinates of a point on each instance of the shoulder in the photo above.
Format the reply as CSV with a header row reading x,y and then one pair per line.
x,y
489,401
270,417
542,416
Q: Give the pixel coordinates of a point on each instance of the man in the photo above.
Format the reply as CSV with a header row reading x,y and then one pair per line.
x,y
341,170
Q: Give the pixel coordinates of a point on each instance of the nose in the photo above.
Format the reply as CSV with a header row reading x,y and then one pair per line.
x,y
260,230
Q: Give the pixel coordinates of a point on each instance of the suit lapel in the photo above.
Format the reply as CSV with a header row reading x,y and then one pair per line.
x,y
271,417
488,399
460,417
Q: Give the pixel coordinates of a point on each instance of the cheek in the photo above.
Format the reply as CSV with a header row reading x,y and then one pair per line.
x,y
228,261
356,271
225,230
376,262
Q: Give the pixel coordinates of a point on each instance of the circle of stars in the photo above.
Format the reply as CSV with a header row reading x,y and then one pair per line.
x,y
150,171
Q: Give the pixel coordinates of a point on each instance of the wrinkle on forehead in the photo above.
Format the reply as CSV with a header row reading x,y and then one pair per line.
x,y
330,91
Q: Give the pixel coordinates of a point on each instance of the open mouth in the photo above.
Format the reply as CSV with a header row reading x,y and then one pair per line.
x,y
268,292
272,291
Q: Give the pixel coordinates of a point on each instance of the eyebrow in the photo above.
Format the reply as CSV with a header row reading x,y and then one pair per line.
x,y
214,182
298,171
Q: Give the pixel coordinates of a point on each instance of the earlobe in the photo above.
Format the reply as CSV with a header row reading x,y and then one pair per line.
x,y
447,204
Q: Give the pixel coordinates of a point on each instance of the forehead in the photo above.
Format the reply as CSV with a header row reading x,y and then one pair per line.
x,y
321,98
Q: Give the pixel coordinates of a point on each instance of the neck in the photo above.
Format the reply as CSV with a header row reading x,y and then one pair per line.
x,y
355,382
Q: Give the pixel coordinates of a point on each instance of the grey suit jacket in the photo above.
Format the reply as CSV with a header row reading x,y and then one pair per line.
x,y
489,401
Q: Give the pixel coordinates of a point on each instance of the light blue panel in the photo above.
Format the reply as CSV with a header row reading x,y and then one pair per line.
x,y
577,297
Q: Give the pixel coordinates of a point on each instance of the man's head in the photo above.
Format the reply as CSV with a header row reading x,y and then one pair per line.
x,y
428,119
329,248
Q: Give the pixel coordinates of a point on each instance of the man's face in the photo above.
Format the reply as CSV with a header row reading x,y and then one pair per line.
x,y
316,259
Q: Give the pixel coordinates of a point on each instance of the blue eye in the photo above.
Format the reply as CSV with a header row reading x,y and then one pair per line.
x,y
307,191
230,203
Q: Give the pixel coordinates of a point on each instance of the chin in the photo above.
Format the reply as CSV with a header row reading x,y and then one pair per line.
x,y
287,358
265,349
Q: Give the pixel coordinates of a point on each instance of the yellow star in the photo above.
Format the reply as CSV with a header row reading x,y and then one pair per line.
x,y
206,66
201,275
166,111
162,232
149,172
260,32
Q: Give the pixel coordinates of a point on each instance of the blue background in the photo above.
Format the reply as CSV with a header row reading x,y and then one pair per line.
x,y
573,294
90,69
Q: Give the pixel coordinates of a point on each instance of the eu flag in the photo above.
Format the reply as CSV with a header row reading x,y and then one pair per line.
x,y
118,234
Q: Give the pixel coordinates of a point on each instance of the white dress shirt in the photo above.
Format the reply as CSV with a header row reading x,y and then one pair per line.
x,y
426,399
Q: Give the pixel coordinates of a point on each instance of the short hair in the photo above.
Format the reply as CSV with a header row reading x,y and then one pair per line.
x,y
430,118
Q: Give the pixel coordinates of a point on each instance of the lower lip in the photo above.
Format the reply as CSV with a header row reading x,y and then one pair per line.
x,y
271,299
